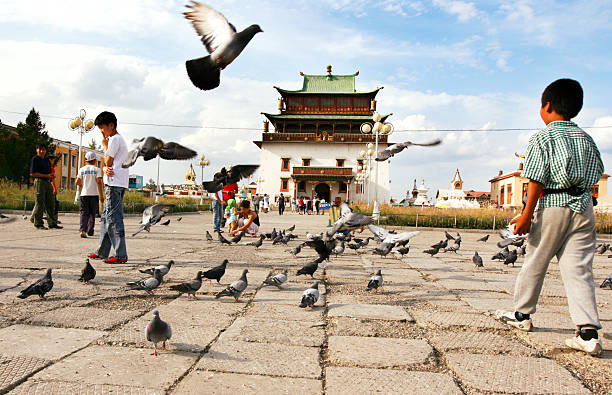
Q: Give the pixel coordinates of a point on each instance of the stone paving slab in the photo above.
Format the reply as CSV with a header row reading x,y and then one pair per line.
x,y
369,311
284,312
342,380
513,374
37,387
120,366
552,320
490,304
482,341
437,319
44,342
262,358
379,352
14,368
270,330
199,381
88,318
290,294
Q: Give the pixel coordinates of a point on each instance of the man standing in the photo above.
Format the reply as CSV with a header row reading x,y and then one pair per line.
x,y
89,181
116,180
217,209
281,204
40,170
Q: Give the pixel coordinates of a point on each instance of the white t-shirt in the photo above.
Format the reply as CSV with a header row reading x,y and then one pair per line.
x,y
118,150
89,174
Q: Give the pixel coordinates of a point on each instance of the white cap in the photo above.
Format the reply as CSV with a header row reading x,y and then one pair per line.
x,y
90,156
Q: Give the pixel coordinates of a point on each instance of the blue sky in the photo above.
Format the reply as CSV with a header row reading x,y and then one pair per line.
x,y
444,64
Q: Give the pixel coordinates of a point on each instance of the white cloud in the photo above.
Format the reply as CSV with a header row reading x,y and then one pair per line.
x,y
464,10
602,133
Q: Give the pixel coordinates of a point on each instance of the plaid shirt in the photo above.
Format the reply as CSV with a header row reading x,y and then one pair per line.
x,y
560,156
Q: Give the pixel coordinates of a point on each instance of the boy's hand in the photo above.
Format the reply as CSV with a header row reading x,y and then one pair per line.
x,y
522,224
109,171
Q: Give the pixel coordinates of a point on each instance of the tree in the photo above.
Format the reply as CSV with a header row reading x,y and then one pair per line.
x,y
17,150
95,146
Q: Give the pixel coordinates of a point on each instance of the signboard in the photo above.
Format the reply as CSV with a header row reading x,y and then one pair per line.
x,y
325,206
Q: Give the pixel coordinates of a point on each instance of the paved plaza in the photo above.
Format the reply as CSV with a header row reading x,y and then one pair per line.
x,y
428,330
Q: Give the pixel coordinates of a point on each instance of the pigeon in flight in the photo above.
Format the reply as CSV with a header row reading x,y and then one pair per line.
x,y
150,147
222,42
477,259
163,269
310,296
395,238
484,239
607,283
399,147
375,282
189,287
40,287
277,280
217,272
236,288
226,177
148,284
152,215
158,331
349,221
88,273
209,236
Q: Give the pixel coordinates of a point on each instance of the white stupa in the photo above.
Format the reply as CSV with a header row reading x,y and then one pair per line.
x,y
422,200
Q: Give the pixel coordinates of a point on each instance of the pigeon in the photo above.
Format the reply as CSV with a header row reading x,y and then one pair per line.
x,y
323,248
484,239
222,42
375,282
602,248
365,242
277,280
453,248
222,239
432,251
88,273
310,268
179,219
338,249
349,221
388,237
440,245
166,223
511,258
383,249
343,237
477,259
273,234
225,177
190,287
502,254
152,215
353,246
403,250
258,242
607,283
3,216
458,238
150,147
148,284
448,236
312,237
402,243
522,251
291,228
399,147
508,237
209,236
296,250
163,269
236,288
310,296
158,331
237,238
217,272
40,287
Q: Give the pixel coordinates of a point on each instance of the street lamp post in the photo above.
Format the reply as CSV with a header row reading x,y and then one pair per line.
x,y
367,167
378,128
259,180
81,126
203,163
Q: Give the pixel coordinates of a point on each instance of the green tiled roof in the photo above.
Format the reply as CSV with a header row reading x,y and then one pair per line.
x,y
328,83
314,117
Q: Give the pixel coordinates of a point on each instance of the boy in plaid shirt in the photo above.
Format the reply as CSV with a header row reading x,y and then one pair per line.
x,y
562,164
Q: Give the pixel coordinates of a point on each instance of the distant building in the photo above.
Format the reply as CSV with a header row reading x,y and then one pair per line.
x,y
455,197
508,190
66,168
483,198
422,200
135,182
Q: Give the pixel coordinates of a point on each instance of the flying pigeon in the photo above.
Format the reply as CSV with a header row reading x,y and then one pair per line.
x,y
310,268
375,281
511,258
158,331
217,272
399,147
349,221
236,288
448,236
222,42
607,283
226,177
150,147
477,259
148,284
277,280
323,248
222,239
163,269
189,287
88,273
484,239
40,287
432,251
387,237
209,236
257,243
166,223
310,296
152,215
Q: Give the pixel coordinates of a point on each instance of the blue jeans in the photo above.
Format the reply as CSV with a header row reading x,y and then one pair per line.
x,y
217,209
112,232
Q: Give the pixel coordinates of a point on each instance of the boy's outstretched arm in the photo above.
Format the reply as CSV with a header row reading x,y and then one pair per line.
x,y
523,223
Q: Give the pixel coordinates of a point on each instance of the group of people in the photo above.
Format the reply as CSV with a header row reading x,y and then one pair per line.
x,y
306,206
238,217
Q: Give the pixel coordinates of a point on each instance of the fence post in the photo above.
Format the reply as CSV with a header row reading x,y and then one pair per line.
x,y
417,221
24,205
455,221
493,222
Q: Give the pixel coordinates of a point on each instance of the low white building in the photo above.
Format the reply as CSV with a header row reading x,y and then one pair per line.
x,y
454,197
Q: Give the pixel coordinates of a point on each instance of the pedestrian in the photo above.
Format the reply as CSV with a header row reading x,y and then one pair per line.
x,y
116,180
317,201
89,182
562,164
40,170
307,203
293,206
266,205
281,204
302,207
256,203
248,220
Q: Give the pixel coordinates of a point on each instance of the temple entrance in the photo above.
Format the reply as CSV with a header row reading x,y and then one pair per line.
x,y
323,192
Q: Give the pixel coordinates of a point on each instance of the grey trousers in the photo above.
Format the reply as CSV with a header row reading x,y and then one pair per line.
x,y
570,236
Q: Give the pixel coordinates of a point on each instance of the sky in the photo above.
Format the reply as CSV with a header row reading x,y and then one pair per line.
x,y
471,66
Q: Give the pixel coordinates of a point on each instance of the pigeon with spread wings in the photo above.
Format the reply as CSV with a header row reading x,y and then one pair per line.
x,y
150,147
227,177
399,147
152,215
222,42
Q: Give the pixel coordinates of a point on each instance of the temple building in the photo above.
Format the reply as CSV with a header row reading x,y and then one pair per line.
x,y
455,197
312,146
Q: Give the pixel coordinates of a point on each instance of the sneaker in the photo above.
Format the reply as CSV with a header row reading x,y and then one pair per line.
x,y
56,227
93,255
591,347
84,235
508,318
41,227
115,260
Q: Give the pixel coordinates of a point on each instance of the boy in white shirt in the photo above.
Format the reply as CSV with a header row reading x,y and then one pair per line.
x,y
89,182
